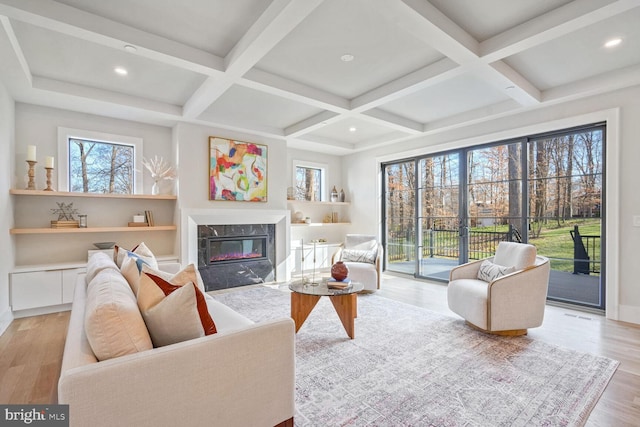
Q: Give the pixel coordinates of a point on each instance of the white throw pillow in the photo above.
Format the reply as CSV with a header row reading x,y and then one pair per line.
x,y
490,271
358,255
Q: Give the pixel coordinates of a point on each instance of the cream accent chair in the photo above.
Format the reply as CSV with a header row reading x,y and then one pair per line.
x,y
362,254
509,304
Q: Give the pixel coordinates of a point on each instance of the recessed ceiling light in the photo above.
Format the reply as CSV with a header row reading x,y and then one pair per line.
x,y
130,48
347,57
120,70
613,42
353,129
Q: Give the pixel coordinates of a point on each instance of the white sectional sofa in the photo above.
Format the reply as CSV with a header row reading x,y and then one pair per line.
x,y
243,375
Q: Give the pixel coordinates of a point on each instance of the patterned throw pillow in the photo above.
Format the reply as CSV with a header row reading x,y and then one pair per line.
x,y
489,271
173,313
358,255
120,253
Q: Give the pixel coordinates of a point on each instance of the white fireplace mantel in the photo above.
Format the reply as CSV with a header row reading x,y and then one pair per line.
x,y
190,219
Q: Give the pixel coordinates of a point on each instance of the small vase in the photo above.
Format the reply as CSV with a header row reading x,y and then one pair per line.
x,y
155,188
339,271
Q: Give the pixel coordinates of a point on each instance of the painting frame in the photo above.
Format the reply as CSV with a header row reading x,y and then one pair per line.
x,y
237,170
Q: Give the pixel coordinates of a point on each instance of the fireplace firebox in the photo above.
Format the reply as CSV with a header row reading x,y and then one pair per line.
x,y
236,254
231,249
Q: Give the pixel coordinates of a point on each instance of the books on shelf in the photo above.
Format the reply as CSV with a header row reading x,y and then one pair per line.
x,y
65,224
138,224
148,215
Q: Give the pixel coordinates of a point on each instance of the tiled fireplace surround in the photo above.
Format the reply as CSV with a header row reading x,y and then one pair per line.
x,y
232,219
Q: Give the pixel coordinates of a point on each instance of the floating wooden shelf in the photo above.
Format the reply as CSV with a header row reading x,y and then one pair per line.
x,y
91,230
92,195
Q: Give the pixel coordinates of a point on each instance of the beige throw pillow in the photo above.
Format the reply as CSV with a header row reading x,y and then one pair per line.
x,y
119,254
113,323
173,313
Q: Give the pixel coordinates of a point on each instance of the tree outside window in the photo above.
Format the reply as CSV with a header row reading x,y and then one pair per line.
x,y
308,183
100,167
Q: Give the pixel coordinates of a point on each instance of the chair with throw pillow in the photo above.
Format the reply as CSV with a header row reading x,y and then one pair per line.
x,y
362,254
504,294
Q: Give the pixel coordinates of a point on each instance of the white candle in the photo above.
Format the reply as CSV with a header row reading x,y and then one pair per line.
x,y
49,163
31,153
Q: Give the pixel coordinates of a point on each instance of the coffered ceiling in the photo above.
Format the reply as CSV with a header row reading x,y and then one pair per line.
x,y
335,76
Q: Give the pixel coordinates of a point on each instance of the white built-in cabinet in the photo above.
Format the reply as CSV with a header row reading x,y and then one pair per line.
x,y
43,287
48,287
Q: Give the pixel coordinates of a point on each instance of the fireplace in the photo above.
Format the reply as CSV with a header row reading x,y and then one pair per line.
x,y
236,249
232,255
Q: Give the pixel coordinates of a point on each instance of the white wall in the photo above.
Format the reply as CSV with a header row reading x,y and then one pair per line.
x,y
192,142
7,115
363,170
36,125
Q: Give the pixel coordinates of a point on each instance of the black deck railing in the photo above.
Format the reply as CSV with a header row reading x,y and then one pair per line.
x,y
586,252
445,243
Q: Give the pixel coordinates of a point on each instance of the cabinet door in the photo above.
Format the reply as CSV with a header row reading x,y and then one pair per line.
x,y
69,278
36,289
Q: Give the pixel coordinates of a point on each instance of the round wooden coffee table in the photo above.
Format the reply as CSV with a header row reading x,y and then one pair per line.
x,y
305,296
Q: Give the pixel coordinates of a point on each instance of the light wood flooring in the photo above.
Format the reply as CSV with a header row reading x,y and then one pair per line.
x,y
31,350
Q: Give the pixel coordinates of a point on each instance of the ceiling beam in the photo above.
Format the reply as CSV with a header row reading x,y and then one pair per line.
x,y
275,85
392,121
430,75
312,123
17,49
434,28
554,24
275,23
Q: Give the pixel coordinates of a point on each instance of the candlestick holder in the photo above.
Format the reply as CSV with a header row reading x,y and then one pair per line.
x,y
49,170
32,175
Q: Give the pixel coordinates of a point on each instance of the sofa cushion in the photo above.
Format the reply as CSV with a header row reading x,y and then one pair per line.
x,y
131,269
173,313
489,271
113,324
98,262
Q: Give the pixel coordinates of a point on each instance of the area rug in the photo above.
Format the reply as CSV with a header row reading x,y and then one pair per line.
x,y
408,366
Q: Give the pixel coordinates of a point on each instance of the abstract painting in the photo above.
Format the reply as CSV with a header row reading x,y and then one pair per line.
x,y
237,170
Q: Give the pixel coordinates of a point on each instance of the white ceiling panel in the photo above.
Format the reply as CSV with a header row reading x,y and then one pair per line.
x,y
364,131
582,54
241,104
382,51
455,96
69,59
214,26
487,18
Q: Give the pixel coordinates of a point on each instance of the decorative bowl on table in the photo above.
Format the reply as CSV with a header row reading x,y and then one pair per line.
x,y
104,245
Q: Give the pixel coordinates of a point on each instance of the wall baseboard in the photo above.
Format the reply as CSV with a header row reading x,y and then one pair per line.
x,y
5,320
629,313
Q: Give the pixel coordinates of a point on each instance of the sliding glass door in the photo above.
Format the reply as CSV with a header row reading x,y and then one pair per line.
x,y
445,209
